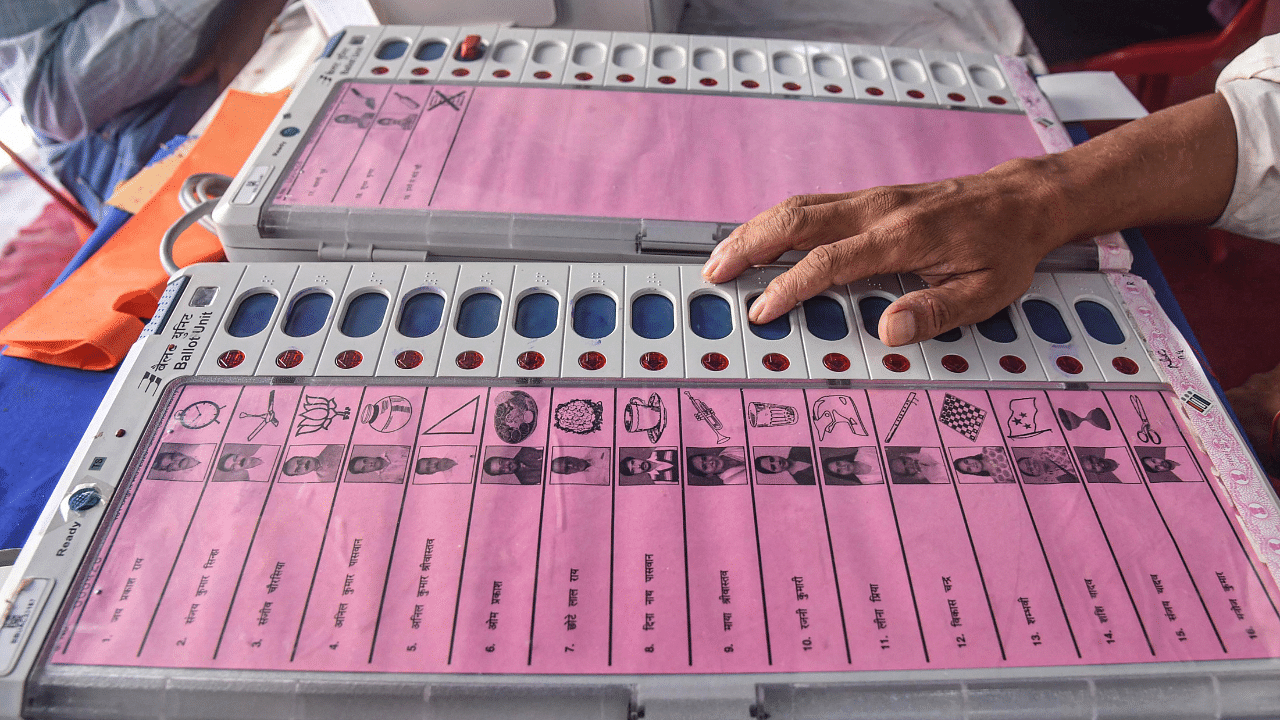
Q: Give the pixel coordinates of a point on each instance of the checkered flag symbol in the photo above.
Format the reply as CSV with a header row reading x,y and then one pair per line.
x,y
965,418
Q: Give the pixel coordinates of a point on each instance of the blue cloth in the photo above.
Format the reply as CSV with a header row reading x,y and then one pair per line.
x,y
44,411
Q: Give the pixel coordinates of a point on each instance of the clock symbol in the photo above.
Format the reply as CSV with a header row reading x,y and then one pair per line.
x,y
199,414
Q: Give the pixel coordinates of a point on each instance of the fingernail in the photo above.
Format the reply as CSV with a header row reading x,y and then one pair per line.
x,y
762,306
900,328
710,267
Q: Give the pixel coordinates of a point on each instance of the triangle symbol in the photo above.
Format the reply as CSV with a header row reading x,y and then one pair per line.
x,y
458,422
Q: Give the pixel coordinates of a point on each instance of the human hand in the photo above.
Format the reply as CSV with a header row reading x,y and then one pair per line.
x,y
1257,405
975,240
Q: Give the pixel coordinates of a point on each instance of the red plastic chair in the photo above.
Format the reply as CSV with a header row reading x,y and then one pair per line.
x,y
1157,61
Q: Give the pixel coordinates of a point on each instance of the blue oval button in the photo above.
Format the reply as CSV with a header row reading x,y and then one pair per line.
x,y
1099,322
825,318
421,314
364,314
709,316
478,315
537,315
652,316
252,315
871,308
308,313
1046,321
594,316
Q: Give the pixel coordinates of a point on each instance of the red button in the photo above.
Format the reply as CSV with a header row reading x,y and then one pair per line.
x,y
666,80
380,70
419,71
542,74
348,359
777,362
896,362
289,359
469,360
626,78
709,82
409,359
955,96
715,362
230,359
583,76
530,360
750,84
1070,365
791,86
955,363
591,360
653,361
1125,365
1013,364
471,48
874,91
836,362
833,89
501,73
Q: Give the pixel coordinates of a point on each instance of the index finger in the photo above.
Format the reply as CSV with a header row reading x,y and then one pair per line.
x,y
835,263
798,223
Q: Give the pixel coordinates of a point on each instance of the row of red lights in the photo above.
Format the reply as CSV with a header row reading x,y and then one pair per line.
x,y
655,361
707,82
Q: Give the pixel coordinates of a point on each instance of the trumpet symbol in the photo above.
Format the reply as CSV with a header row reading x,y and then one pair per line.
x,y
703,412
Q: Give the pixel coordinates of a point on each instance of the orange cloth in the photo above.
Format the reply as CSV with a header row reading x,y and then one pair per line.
x,y
92,319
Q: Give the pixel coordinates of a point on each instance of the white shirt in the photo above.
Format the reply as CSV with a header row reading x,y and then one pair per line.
x,y
1251,86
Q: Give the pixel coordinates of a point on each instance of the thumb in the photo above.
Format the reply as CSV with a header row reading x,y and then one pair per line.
x,y
924,314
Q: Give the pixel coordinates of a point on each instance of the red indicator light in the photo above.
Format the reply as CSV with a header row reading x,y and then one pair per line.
x,y
666,80
997,100
501,73
348,359
708,82
591,360
1070,365
791,86
1013,364
419,71
542,75
469,360
896,363
915,94
874,91
715,362
530,360
409,359
955,96
380,70
833,89
836,362
626,78
955,363
1125,365
777,362
230,359
653,361
750,84
583,76
461,72
289,359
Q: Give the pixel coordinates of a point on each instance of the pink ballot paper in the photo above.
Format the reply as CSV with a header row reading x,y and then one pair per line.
x,y
624,154
569,529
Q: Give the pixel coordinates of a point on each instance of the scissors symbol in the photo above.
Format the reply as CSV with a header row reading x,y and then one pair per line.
x,y
1145,433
